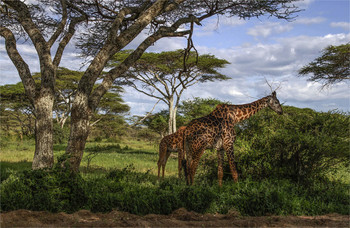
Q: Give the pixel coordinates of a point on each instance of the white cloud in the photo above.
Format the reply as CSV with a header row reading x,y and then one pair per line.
x,y
309,20
278,63
343,25
268,28
303,4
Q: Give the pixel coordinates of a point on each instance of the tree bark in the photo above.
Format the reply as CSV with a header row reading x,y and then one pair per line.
x,y
171,117
174,119
80,118
43,156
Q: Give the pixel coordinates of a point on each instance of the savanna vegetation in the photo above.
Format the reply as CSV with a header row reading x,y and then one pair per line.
x,y
102,29
89,156
295,164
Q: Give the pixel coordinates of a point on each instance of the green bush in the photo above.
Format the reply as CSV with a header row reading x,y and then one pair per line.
x,y
55,190
141,193
300,145
60,135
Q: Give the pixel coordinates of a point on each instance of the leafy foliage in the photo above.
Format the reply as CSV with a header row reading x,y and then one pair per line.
x,y
158,122
140,193
330,68
55,190
302,144
16,112
197,107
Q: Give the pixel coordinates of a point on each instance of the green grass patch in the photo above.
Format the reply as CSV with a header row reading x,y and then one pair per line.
x,y
99,157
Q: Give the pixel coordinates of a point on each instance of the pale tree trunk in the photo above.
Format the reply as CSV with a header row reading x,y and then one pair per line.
x,y
174,119
43,156
172,114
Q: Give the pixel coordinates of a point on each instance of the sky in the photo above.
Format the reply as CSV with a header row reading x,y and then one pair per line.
x,y
259,50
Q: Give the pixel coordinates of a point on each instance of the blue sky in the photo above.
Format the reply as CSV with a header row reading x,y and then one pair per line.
x,y
258,50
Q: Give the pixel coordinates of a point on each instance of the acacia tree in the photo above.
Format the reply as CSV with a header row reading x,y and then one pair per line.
x,y
16,110
106,27
161,76
330,68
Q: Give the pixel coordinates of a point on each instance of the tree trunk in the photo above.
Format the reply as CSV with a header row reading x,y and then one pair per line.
x,y
80,118
43,156
171,117
174,119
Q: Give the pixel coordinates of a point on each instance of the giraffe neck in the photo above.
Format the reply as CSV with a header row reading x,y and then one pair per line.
x,y
245,111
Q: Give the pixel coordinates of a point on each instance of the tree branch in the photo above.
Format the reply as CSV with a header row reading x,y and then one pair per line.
x,y
21,65
61,25
147,115
62,45
130,60
28,25
147,94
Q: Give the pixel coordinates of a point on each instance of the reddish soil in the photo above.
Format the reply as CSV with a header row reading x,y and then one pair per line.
x,y
180,217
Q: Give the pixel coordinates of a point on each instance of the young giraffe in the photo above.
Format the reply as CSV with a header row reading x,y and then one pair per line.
x,y
218,128
168,144
174,143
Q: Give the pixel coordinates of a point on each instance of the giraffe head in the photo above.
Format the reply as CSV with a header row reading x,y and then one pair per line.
x,y
274,103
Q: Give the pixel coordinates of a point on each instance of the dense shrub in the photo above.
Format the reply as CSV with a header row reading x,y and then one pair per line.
x,y
141,193
60,135
55,190
300,145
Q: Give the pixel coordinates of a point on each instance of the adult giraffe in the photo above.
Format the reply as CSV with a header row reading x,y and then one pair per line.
x,y
217,130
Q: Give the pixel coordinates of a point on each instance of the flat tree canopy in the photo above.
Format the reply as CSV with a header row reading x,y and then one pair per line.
x,y
162,75
331,67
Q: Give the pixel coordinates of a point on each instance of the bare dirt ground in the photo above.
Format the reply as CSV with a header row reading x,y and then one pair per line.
x,y
179,218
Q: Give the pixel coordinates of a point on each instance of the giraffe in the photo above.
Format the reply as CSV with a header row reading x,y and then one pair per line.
x,y
168,144
174,143
217,130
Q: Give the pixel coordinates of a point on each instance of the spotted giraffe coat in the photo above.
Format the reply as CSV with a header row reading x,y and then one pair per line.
x,y
217,130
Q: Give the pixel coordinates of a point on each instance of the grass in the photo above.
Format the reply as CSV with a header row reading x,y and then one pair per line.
x,y
16,151
142,155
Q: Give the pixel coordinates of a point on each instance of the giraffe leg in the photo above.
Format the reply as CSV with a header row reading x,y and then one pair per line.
x,y
188,160
193,170
180,157
163,157
228,146
220,153
165,160
196,157
159,165
231,160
